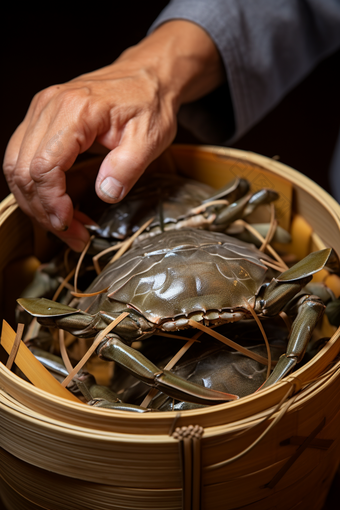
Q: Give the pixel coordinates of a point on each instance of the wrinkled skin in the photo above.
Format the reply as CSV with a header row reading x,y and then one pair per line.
x,y
128,107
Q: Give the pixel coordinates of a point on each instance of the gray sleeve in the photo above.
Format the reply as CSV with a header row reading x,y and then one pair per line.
x,y
267,48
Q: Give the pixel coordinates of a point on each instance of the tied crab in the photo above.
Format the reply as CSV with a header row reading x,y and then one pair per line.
x,y
176,280
174,202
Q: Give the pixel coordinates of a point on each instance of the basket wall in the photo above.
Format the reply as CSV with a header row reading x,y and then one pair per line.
x,y
60,455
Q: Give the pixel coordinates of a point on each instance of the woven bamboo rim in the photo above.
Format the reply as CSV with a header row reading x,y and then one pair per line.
x,y
95,458
25,407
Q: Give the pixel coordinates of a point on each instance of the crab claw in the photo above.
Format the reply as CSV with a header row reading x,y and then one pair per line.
x,y
243,207
273,297
41,307
52,314
113,349
283,294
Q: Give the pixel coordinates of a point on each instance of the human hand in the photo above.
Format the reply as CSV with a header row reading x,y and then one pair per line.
x,y
129,107
64,121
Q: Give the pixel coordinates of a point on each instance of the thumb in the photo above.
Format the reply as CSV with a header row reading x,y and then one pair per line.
x,y
119,171
123,166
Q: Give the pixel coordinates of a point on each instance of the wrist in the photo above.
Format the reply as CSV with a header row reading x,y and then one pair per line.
x,y
183,60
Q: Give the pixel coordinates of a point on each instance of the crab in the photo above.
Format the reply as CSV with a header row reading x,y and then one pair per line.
x,y
174,202
176,280
208,362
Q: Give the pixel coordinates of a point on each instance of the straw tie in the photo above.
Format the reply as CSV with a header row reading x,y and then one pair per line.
x,y
15,347
296,383
190,432
189,440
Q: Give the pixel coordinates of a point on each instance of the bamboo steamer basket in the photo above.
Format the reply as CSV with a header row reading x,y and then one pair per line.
x,y
276,449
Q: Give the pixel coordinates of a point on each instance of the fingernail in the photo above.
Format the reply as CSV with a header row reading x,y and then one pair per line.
x,y
111,187
57,224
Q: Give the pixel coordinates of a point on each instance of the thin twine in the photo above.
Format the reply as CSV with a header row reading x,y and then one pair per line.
x,y
81,258
283,411
295,387
271,230
258,322
229,342
93,347
171,364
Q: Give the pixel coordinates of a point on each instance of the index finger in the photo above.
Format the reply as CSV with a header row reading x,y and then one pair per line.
x,y
38,178
39,185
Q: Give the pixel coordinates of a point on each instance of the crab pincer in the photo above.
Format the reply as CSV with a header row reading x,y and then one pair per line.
x,y
112,348
307,309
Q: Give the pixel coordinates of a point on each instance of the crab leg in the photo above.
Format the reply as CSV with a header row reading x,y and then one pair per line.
x,y
310,309
113,349
243,207
102,396
232,191
77,322
282,294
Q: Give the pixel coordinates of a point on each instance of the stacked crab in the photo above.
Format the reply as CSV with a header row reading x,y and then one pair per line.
x,y
208,303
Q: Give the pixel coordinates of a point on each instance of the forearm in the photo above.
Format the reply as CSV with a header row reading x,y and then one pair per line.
x,y
266,47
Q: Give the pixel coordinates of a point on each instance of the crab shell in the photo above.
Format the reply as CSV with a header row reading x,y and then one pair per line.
x,y
179,273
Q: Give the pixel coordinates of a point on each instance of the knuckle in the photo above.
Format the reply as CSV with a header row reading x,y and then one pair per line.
x,y
48,93
48,179
23,181
39,168
42,98
8,168
74,96
63,95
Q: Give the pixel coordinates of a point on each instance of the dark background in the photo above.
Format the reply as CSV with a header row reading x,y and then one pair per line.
x,y
44,47
41,49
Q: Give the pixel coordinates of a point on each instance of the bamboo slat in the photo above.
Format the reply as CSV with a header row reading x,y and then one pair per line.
x,y
32,368
58,454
